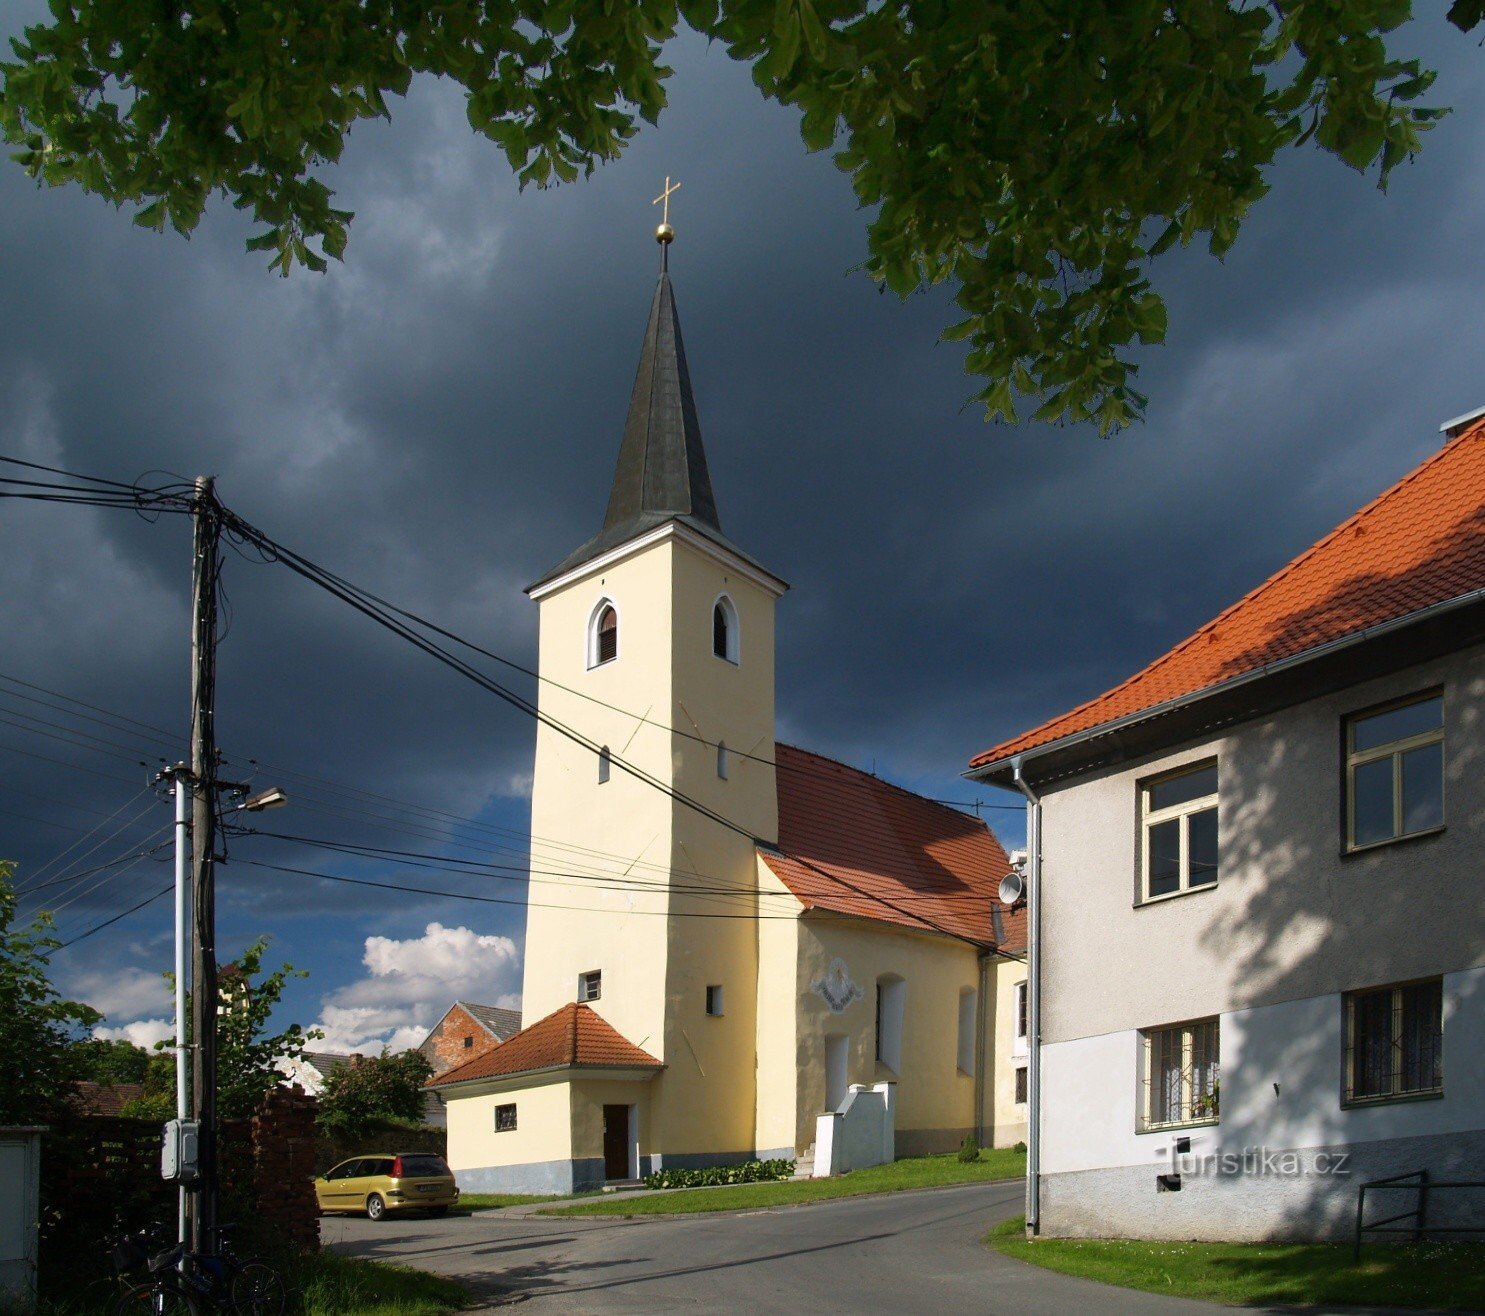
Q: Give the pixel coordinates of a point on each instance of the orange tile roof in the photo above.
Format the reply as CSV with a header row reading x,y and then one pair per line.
x,y
574,1037
856,845
1420,543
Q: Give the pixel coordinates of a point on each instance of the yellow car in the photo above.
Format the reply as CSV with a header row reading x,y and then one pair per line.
x,y
418,1181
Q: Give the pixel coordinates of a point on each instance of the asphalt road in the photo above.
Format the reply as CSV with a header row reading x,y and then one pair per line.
x,y
908,1252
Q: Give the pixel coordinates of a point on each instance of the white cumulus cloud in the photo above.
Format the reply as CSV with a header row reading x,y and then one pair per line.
x,y
142,1032
410,983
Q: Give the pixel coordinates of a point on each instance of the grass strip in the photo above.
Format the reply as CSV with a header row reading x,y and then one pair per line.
x,y
1442,1275
328,1284
913,1172
494,1201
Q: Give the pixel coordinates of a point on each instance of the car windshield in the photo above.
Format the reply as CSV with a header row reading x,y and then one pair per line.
x,y
415,1166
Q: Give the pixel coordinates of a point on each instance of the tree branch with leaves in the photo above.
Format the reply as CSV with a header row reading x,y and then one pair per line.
x,y
1034,157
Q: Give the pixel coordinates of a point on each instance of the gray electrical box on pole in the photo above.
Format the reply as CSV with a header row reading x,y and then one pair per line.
x,y
180,1155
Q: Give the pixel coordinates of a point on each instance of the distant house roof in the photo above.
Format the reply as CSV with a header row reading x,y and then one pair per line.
x,y
501,1023
1418,546
90,1098
853,844
574,1037
325,1061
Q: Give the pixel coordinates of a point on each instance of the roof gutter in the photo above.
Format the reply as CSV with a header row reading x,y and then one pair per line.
x,y
1033,1000
985,771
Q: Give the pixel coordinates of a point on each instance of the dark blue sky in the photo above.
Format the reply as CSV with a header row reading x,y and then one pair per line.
x,y
438,420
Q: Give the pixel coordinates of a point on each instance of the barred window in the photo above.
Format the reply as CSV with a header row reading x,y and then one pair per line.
x,y
505,1118
1181,1075
1395,772
1020,1085
1180,831
1395,1042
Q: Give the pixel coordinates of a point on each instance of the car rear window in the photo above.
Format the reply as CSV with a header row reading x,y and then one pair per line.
x,y
414,1167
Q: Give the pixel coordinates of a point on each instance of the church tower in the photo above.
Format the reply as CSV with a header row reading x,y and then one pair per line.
x,y
657,651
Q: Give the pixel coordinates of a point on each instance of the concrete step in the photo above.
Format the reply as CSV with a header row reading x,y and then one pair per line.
x,y
623,1185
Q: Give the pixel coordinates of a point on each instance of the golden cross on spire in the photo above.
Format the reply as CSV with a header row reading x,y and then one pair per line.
x,y
664,234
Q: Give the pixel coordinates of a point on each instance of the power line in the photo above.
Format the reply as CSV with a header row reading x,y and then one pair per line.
x,y
372,607
37,874
108,923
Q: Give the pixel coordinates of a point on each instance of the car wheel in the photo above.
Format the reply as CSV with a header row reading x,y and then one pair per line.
x,y
376,1208
437,1212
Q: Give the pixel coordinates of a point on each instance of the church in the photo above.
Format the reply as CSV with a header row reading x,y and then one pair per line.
x,y
724,934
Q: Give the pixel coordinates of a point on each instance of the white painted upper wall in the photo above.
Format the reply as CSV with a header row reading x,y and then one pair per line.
x,y
1291,916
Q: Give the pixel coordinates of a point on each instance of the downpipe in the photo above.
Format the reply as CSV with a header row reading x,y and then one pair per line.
x,y
1033,999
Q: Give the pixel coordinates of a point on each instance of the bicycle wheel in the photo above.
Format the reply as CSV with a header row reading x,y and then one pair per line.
x,y
256,1290
157,1297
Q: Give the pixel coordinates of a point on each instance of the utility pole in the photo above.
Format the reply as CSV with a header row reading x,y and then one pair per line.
x,y
205,515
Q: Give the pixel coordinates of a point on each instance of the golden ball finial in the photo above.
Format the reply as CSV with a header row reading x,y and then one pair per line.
x,y
664,234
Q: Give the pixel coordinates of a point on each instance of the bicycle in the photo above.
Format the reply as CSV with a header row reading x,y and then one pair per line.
x,y
182,1280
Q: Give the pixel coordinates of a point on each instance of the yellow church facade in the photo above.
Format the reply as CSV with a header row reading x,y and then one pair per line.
x,y
724,934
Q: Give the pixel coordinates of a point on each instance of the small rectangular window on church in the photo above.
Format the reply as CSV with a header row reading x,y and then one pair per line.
x,y
714,1000
505,1118
590,985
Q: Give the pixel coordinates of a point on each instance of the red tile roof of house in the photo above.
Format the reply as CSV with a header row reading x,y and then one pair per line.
x,y
856,845
1420,543
574,1037
89,1098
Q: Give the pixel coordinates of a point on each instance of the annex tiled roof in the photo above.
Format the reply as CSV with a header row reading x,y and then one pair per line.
x,y
503,1024
1420,543
574,1037
853,844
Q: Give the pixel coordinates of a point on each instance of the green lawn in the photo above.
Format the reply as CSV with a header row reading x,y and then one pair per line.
x,y
1449,1276
327,1284
917,1172
493,1201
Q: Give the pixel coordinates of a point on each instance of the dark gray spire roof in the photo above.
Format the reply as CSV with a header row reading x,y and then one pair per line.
x,y
662,473
662,465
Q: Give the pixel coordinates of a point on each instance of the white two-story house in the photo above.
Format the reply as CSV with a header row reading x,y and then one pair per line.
x,y
1260,940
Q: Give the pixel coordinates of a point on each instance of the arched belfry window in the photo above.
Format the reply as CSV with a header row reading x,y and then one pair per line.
x,y
603,634
605,762
724,629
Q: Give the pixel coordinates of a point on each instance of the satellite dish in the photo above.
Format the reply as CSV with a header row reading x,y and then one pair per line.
x,y
1012,888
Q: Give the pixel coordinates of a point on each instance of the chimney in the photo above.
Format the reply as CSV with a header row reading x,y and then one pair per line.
x,y
356,1059
1452,429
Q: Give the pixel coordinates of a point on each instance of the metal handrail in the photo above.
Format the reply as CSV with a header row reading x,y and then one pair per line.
x,y
1419,1182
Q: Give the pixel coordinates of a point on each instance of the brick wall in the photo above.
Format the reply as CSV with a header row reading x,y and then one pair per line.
x,y
445,1046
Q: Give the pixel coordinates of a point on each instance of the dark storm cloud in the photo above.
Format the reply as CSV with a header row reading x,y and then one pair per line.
x,y
439,418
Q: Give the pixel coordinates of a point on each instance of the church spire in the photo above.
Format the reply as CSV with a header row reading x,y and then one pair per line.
x,y
662,465
662,475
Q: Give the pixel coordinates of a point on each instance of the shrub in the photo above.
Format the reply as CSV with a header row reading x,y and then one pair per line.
x,y
1020,1147
969,1149
712,1175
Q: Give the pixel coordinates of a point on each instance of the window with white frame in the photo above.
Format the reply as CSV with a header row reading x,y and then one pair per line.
x,y
590,985
969,1001
724,629
1395,771
603,634
714,999
1395,1042
1020,1085
891,1003
1179,813
1180,1072
1022,1021
505,1118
